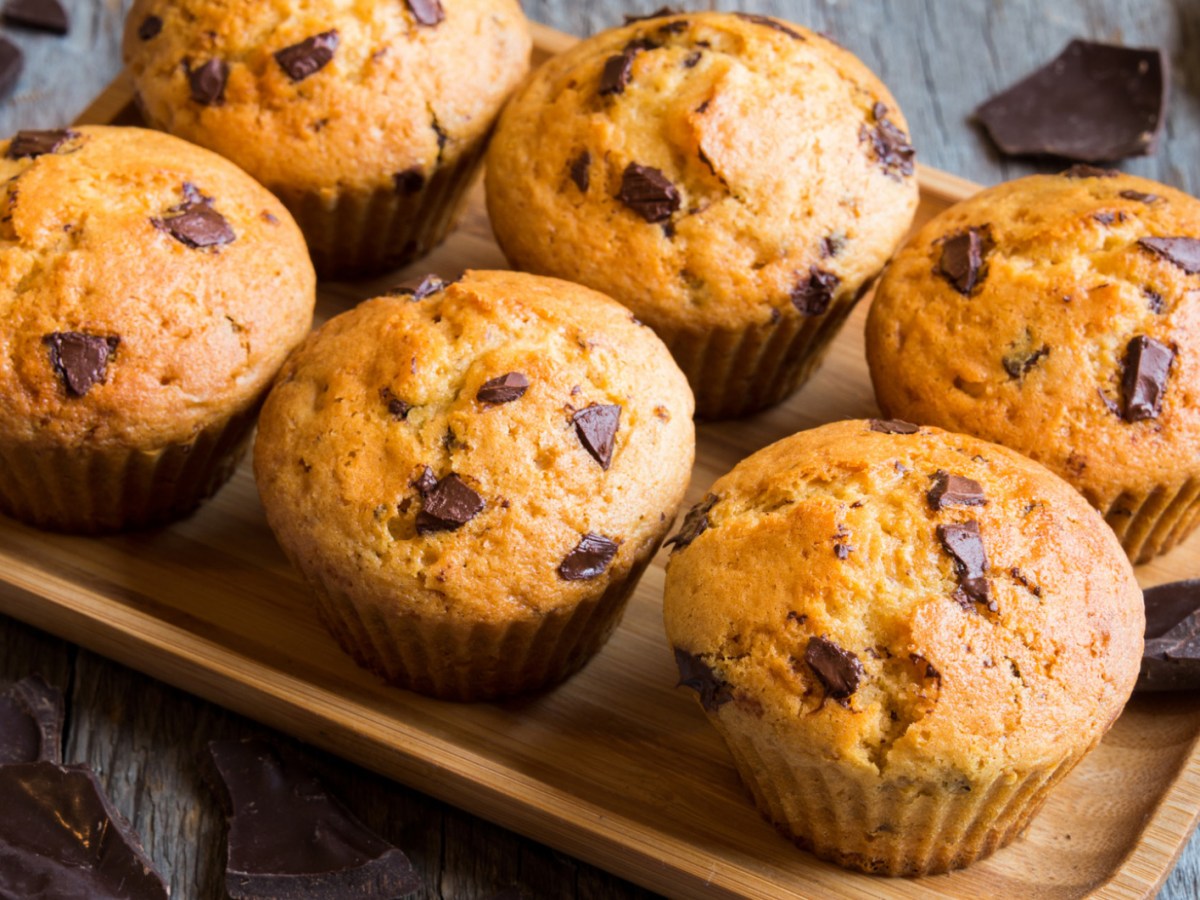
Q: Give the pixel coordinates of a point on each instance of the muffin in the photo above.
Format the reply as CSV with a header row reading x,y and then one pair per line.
x,y
472,477
906,637
367,120
1055,314
150,292
735,180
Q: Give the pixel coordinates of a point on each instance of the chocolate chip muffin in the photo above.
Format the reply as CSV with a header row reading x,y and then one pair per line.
x,y
150,292
368,120
1056,315
735,180
472,477
906,637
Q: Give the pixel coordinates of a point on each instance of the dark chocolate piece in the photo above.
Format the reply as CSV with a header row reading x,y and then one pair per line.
x,y
197,224
410,181
964,259
813,293
419,290
891,147
395,406
427,12
81,360
1095,103
426,482
894,426
964,543
660,13
290,839
698,675
150,28
695,523
61,839
581,171
648,193
1180,251
504,389
1107,218
31,721
954,490
1140,197
588,559
842,550
207,82
43,15
309,56
1171,658
1018,364
770,23
837,669
12,61
618,70
449,506
1169,604
1147,366
32,144
596,427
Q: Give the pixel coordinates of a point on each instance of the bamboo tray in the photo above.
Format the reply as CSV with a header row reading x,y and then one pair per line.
x,y
617,766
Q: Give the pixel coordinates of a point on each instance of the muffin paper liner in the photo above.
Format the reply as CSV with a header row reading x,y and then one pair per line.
x,y
1151,523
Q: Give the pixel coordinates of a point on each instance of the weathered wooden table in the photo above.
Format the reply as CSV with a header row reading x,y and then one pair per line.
x,y
940,58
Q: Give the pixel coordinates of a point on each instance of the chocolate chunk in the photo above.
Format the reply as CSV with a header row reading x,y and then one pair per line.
x,y
1018,364
1171,658
81,360
698,675
197,225
660,13
12,61
648,193
1095,103
964,543
954,490
427,12
770,23
449,506
425,482
892,150
1140,197
964,259
44,15
581,171
504,389
150,28
842,551
695,523
1147,366
1107,218
395,406
32,144
289,838
419,290
837,669
618,70
1083,170
207,82
410,181
1180,251
690,61
31,721
813,293
588,559
893,426
309,56
596,427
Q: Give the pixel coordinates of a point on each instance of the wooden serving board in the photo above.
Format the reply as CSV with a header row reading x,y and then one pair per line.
x,y
617,766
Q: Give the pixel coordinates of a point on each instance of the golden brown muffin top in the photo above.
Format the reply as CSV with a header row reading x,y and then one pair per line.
x,y
328,95
1021,314
836,588
455,450
147,288
708,170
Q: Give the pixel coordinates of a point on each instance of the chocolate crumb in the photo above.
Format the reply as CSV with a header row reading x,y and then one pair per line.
x,y
1147,366
207,82
396,407
309,56
425,482
954,490
596,427
81,360
842,551
698,675
838,670
1019,363
1023,579
581,171
647,192
504,389
448,506
695,523
894,154
1154,301
588,559
812,294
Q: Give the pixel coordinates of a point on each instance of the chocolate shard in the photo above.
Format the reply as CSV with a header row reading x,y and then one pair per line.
x,y
695,523
396,407
964,259
1141,197
616,75
197,224
81,360
1095,103
596,427
890,145
1183,252
1024,356
813,293
581,171
1171,657
838,670
771,23
504,389
309,56
419,290
43,15
427,12
32,144
1147,367
410,181
660,13
954,490
150,28
31,722
449,506
893,426
698,675
964,543
12,61
425,482
648,193
589,559
289,838
207,82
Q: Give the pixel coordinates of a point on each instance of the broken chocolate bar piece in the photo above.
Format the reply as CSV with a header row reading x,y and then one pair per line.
x,y
1171,658
289,839
40,15
31,721
1094,103
838,670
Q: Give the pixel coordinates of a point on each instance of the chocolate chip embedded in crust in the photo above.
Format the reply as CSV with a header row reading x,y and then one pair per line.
x,y
150,28
596,427
198,226
504,389
410,181
31,144
954,490
425,482
647,192
207,82
771,23
44,15
1180,251
893,152
698,675
1141,197
81,360
581,171
396,407
618,70
427,12
588,559
893,426
812,294
964,543
1147,367
1018,364
837,669
449,506
1083,170
695,523
964,259
309,56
